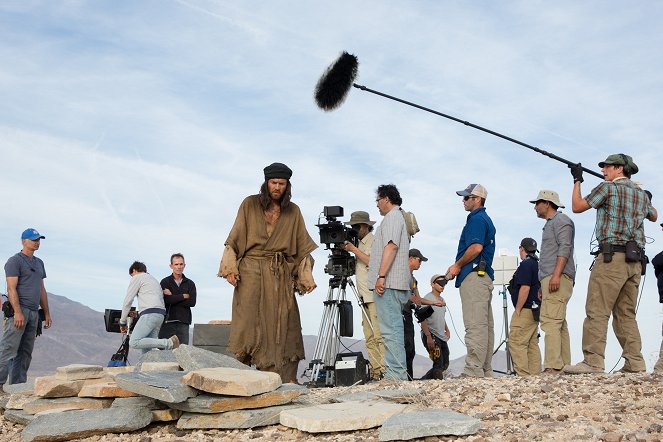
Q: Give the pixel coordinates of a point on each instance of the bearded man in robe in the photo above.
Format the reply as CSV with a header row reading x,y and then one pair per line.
x,y
267,258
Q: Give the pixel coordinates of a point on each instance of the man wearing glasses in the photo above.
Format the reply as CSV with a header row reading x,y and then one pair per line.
x,y
474,277
389,277
26,292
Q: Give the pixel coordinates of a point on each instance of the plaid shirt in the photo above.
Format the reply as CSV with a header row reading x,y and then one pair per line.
x,y
621,208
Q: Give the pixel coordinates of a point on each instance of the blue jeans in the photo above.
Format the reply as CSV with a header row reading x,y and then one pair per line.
x,y
390,321
146,331
16,348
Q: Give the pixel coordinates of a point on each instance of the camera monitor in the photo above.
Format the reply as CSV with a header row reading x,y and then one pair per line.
x,y
112,319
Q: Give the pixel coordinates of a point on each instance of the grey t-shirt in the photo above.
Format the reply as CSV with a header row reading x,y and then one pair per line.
x,y
436,322
557,240
30,272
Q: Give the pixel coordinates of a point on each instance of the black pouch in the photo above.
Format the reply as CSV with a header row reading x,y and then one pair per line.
x,y
644,262
536,312
7,309
633,252
606,250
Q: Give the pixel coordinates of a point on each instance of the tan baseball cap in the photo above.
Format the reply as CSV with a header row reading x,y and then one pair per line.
x,y
473,189
548,195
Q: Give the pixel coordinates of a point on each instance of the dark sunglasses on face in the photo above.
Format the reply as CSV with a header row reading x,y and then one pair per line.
x,y
465,198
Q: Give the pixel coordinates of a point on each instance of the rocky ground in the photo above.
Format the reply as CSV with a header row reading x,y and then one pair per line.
x,y
614,407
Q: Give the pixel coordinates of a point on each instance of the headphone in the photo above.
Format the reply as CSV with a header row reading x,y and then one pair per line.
x,y
627,165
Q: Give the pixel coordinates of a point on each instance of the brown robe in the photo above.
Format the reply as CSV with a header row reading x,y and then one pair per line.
x,y
266,329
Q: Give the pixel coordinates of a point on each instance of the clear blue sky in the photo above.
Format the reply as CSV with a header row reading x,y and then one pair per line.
x,y
131,130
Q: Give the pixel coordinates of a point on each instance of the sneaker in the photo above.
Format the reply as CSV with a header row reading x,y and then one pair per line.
x,y
175,341
581,368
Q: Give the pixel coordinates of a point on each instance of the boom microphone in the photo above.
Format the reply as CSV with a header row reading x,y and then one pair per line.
x,y
335,83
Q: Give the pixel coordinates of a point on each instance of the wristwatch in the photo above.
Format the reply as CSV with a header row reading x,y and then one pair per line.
x,y
382,276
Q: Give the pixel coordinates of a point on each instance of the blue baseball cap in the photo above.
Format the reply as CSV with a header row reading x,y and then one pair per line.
x,y
31,234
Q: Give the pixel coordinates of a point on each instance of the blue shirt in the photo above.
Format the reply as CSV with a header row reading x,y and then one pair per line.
x,y
479,229
527,274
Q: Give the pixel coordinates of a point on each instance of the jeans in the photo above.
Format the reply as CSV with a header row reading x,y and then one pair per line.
x,y
16,348
146,331
390,320
178,328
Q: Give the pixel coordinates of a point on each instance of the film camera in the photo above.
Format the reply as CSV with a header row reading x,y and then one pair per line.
x,y
333,234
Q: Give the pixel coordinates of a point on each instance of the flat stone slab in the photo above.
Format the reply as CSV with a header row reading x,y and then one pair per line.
x,y
156,356
112,371
75,403
85,423
165,415
193,358
346,416
159,366
166,386
18,417
75,372
18,400
50,386
232,381
106,389
138,401
406,426
211,403
237,419
27,387
392,395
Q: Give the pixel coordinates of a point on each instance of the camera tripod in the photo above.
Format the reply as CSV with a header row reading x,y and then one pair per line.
x,y
336,322
505,341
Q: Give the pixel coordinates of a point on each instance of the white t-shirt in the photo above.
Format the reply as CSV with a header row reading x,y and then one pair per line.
x,y
436,322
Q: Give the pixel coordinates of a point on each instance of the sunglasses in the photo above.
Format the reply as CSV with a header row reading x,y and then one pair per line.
x,y
465,198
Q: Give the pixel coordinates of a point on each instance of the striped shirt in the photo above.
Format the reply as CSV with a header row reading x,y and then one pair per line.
x,y
392,228
621,208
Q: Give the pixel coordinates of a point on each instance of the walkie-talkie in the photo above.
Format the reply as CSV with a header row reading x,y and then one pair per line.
x,y
481,268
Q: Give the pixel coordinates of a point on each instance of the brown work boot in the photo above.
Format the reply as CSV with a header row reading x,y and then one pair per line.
x,y
625,369
551,372
175,341
581,368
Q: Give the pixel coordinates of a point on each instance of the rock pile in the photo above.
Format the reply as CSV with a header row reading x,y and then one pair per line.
x,y
210,402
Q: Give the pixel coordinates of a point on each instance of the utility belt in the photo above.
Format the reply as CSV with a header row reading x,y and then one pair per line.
x,y
632,251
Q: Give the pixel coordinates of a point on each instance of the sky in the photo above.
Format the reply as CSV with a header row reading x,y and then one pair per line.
x,y
133,130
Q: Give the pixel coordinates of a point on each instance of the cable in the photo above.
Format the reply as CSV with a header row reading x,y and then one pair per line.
x,y
453,325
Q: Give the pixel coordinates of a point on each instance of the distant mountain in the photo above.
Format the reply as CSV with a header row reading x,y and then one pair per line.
x,y
78,336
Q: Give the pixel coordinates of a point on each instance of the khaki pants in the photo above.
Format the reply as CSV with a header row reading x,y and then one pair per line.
x,y
524,343
613,288
374,343
557,351
658,368
475,294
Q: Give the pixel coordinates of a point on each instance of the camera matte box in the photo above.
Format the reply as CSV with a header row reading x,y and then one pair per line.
x,y
112,319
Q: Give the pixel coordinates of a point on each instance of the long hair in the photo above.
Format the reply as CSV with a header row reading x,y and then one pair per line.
x,y
266,199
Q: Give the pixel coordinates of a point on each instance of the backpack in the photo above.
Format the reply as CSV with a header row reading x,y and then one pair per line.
x,y
410,223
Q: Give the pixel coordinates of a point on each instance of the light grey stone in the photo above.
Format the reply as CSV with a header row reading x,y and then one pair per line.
x,y
257,417
166,386
400,396
156,356
232,381
159,366
211,334
406,426
193,358
27,387
346,416
18,417
75,372
138,401
85,423
214,403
